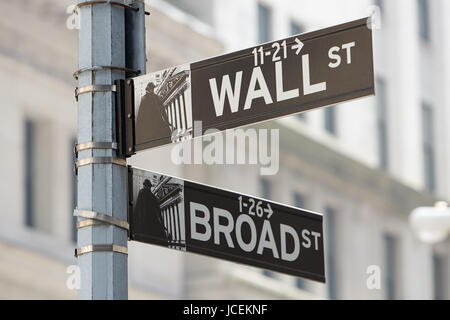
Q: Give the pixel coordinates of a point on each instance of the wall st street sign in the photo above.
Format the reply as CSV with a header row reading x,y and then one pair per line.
x,y
268,81
197,218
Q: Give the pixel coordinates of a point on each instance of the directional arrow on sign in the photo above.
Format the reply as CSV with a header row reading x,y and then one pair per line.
x,y
269,211
299,46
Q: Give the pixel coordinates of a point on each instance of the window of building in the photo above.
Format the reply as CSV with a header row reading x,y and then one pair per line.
x,y
382,133
296,28
266,188
330,249
330,120
301,116
29,172
299,202
266,191
424,19
391,256
37,173
200,9
300,283
268,273
428,146
74,193
264,23
440,277
379,4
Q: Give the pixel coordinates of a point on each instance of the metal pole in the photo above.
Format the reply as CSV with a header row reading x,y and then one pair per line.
x,y
102,187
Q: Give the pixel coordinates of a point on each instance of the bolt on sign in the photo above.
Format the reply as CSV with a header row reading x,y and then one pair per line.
x,y
187,216
265,82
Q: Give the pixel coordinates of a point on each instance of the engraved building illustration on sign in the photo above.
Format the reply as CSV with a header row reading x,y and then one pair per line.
x,y
163,103
159,207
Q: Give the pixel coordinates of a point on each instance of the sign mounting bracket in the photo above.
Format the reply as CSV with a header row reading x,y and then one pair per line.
x,y
125,117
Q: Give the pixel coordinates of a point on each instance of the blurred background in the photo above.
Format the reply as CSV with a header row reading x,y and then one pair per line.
x,y
365,164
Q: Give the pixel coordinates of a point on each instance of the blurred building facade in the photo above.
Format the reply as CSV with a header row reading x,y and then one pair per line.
x,y
364,164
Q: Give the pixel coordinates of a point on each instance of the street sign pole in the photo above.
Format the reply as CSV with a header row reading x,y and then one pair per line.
x,y
102,176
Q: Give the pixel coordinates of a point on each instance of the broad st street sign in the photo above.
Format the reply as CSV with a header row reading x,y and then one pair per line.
x,y
192,217
265,82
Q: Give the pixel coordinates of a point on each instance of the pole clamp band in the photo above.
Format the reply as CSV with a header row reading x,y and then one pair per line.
x,y
98,217
97,68
100,248
88,223
100,160
94,145
116,3
94,88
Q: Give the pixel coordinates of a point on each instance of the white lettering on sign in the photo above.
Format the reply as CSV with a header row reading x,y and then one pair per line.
x,y
247,247
258,88
196,220
336,59
307,87
289,256
305,236
307,241
316,236
348,47
223,226
220,228
281,94
226,91
269,244
332,54
253,93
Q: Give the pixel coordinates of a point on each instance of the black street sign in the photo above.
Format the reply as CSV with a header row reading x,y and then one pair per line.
x,y
197,218
265,82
